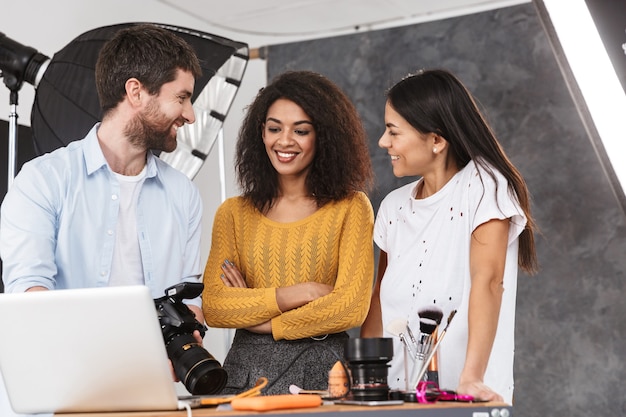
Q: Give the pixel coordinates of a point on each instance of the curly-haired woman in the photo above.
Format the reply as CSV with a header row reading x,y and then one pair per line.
x,y
291,263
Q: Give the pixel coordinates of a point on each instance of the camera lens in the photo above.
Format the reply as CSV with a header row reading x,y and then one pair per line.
x,y
367,359
195,366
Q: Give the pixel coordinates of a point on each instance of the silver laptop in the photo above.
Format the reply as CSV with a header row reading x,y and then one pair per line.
x,y
84,350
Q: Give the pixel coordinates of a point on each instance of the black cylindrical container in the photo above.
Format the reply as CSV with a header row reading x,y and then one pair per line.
x,y
367,359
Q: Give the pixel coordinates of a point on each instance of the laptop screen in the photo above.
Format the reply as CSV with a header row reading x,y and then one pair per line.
x,y
84,350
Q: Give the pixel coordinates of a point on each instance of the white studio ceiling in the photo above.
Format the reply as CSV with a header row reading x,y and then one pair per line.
x,y
282,20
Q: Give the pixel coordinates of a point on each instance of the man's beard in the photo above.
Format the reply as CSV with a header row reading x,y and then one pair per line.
x,y
151,130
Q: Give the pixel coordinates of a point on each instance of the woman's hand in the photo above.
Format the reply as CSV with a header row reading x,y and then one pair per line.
x,y
479,391
297,295
231,277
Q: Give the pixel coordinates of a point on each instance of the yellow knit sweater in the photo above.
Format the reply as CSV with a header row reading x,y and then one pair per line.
x,y
332,246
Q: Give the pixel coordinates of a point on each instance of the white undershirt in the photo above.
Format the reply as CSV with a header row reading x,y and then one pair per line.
x,y
127,268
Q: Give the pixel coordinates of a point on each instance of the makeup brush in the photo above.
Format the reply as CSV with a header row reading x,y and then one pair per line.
x,y
420,375
430,317
432,372
397,328
411,335
296,390
427,326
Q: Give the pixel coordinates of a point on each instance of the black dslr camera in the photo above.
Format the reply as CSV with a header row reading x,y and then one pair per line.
x,y
194,366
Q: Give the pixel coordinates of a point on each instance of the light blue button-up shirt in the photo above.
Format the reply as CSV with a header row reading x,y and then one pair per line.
x,y
58,222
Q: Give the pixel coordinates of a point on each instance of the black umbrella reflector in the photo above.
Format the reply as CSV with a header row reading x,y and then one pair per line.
x,y
66,102
211,105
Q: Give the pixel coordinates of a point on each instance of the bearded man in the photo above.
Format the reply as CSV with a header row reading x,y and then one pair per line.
x,y
104,210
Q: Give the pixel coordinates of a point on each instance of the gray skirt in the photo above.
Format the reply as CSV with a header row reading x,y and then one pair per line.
x,y
303,362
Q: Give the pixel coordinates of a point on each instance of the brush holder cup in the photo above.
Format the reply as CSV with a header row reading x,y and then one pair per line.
x,y
367,360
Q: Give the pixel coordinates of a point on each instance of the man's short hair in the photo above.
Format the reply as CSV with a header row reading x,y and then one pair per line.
x,y
146,52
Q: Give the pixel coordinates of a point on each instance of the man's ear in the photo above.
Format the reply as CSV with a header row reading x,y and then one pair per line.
x,y
134,91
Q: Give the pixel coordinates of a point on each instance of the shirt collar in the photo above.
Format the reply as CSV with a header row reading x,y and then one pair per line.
x,y
94,158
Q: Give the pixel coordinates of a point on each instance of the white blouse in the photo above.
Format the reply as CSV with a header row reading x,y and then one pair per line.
x,y
427,242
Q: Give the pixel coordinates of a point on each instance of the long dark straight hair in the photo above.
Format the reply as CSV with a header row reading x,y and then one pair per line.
x,y
437,101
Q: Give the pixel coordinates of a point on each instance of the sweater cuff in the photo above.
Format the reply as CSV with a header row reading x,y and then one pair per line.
x,y
277,328
272,306
271,303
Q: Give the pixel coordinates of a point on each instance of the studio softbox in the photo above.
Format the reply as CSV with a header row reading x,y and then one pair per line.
x,y
66,102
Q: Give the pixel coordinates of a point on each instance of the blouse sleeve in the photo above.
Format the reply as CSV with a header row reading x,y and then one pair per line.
x,y
347,305
492,199
380,226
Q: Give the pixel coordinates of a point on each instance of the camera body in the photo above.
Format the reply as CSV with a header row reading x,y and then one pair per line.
x,y
196,368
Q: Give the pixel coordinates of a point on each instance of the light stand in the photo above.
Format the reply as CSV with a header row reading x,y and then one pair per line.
x,y
18,63
12,155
